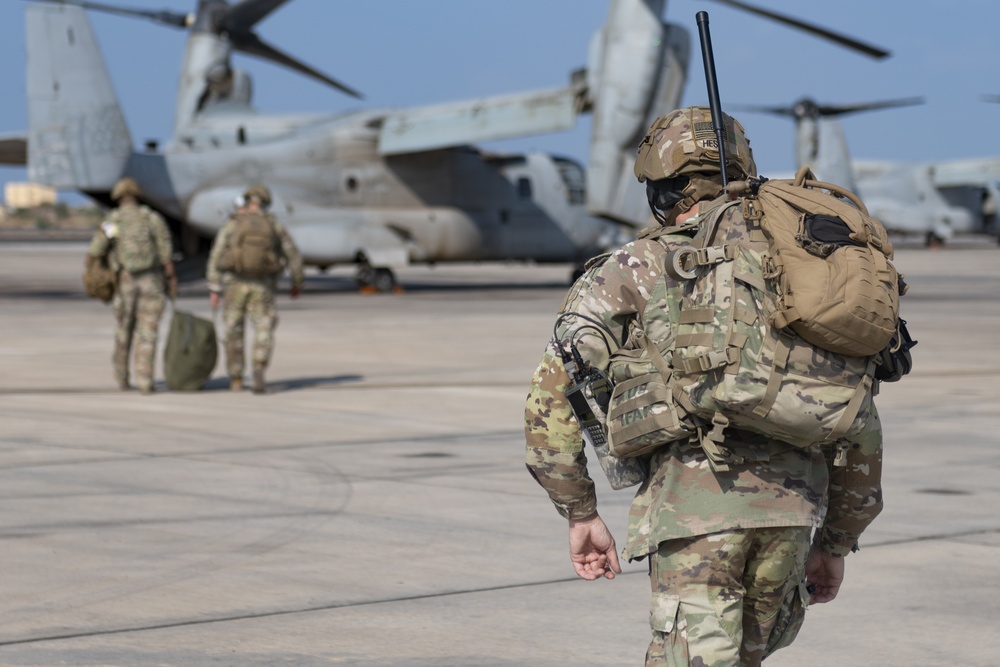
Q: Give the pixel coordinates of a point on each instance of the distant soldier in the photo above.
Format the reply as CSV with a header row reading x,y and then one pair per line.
x,y
248,256
135,242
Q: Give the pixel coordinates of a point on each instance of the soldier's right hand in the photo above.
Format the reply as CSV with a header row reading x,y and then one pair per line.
x,y
215,299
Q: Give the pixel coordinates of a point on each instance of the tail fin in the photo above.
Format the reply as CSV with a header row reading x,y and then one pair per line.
x,y
637,71
77,136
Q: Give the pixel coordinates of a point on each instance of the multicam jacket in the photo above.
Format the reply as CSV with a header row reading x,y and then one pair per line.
x,y
683,496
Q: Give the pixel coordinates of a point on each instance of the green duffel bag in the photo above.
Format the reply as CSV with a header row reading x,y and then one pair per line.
x,y
191,352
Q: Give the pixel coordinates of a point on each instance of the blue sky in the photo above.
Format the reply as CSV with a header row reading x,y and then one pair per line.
x,y
415,52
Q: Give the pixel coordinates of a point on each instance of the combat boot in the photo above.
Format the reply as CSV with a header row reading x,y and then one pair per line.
x,y
236,384
123,385
146,389
259,386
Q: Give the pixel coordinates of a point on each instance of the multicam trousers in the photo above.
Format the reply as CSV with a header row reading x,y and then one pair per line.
x,y
728,598
138,305
253,300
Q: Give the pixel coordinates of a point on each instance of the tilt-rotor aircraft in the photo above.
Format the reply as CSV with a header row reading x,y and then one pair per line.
x,y
378,189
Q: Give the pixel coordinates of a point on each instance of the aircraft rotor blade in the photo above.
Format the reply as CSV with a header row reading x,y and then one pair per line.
x,y
244,15
841,109
837,38
807,108
251,44
164,17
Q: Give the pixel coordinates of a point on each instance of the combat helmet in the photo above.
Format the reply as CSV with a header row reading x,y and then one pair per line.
x,y
125,187
678,158
259,192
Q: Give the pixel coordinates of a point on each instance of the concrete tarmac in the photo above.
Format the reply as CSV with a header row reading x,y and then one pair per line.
x,y
373,509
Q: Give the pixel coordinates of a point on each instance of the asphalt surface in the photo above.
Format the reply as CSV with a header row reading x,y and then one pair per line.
x,y
373,508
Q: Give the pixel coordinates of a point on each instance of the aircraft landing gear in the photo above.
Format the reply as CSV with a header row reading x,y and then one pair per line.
x,y
373,280
934,241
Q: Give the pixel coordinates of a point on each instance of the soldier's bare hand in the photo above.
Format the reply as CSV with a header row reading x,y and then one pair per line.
x,y
592,549
214,299
826,573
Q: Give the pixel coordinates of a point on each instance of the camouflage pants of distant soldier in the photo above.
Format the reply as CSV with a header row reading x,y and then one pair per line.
x,y
253,300
138,306
728,598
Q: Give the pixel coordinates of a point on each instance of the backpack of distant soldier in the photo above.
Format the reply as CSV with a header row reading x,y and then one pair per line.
x,y
99,279
252,250
134,238
190,353
777,323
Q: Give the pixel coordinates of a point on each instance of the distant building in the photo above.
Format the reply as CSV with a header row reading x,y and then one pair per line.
x,y
28,195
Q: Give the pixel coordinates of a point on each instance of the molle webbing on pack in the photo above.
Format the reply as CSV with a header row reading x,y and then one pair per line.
x,y
135,245
722,360
253,247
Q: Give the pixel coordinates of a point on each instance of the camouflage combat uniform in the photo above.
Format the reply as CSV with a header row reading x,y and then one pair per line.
x,y
141,296
250,297
727,548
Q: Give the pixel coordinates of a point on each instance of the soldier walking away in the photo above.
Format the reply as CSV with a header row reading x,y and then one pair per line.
x,y
135,242
735,551
248,257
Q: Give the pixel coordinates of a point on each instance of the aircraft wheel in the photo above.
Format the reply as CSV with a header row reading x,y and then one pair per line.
x,y
383,280
934,241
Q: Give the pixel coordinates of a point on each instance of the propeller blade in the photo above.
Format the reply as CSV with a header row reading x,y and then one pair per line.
x,y
841,109
172,19
251,44
843,40
807,108
243,16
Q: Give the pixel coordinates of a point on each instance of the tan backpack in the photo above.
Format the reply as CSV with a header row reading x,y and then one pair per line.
x,y
721,344
253,247
844,301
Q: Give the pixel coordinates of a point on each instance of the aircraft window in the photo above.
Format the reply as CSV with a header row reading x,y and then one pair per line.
x,y
351,184
524,188
241,135
573,176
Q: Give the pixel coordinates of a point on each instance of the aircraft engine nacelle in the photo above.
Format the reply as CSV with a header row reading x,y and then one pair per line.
x,y
637,71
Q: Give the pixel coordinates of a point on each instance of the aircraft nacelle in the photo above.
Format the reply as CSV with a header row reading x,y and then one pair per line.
x,y
637,72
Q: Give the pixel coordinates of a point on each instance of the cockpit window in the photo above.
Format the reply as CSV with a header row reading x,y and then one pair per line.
x,y
573,176
524,188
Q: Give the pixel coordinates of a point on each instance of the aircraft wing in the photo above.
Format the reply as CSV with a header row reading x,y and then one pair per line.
x,y
14,150
976,171
487,119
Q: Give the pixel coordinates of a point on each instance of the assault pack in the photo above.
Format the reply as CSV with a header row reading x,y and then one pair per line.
x,y
134,238
779,321
252,249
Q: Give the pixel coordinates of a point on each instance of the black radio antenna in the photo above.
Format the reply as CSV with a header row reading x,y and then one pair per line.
x,y
713,91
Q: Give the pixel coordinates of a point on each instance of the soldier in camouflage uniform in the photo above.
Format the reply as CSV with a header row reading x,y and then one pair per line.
x,y
734,554
248,291
135,242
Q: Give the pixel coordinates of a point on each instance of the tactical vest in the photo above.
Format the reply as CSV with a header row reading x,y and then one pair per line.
x,y
135,239
253,247
738,339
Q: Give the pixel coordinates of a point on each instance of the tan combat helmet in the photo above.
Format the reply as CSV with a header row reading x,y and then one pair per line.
x,y
259,192
126,187
683,142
